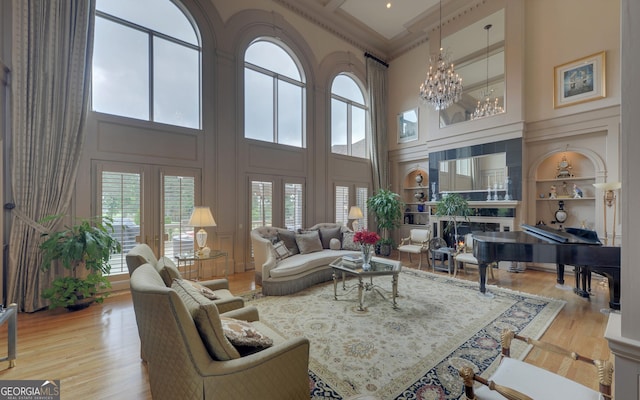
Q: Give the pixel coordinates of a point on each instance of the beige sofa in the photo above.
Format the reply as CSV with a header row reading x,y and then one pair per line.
x,y
282,276
179,333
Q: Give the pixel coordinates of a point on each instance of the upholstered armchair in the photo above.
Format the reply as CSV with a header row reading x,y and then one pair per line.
x,y
416,243
188,357
519,380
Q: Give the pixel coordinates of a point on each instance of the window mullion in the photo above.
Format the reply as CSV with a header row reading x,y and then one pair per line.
x,y
275,110
151,105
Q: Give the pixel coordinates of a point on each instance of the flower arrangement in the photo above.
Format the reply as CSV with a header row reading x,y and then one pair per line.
x,y
366,237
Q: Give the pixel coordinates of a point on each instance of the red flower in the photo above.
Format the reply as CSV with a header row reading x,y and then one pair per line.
x,y
366,237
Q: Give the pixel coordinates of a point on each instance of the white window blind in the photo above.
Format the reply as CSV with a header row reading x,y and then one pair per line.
x,y
362,194
121,202
342,205
293,205
261,204
179,200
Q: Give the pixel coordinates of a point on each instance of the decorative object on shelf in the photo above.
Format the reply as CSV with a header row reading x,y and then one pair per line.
x,y
577,192
434,193
419,179
564,192
366,239
490,106
489,198
507,187
355,213
580,81
201,217
442,86
609,200
561,214
564,168
420,207
419,195
553,192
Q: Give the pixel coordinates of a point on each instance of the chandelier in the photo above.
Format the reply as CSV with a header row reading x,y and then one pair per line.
x,y
488,107
443,86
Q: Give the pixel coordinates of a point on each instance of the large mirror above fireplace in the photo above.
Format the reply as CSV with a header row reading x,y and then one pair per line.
x,y
481,66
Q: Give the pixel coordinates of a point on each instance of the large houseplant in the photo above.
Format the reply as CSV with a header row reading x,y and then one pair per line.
x,y
387,208
453,206
84,251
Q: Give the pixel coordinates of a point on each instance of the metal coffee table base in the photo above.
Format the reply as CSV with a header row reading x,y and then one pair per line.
x,y
366,286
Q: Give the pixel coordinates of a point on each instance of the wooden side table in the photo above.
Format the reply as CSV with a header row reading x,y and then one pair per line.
x,y
10,314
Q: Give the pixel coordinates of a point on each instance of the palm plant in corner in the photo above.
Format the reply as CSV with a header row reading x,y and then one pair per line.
x,y
83,250
453,205
387,208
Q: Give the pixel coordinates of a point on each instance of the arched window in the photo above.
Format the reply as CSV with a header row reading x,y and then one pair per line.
x,y
348,118
146,65
274,93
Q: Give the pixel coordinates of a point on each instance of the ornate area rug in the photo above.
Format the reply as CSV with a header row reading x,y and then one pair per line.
x,y
413,352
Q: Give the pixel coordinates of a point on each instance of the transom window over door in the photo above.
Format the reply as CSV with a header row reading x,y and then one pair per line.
x,y
348,118
274,95
146,65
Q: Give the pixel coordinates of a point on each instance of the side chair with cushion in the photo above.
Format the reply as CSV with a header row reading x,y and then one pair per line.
x,y
416,243
190,354
465,256
519,380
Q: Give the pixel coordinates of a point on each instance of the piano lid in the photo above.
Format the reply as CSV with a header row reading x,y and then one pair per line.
x,y
569,235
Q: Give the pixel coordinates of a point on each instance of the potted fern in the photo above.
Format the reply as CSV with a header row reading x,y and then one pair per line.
x,y
387,207
85,246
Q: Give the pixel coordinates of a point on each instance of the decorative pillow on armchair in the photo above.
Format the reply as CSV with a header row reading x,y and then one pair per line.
x,y
242,333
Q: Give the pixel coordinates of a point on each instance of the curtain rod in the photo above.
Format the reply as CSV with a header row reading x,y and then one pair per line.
x,y
369,55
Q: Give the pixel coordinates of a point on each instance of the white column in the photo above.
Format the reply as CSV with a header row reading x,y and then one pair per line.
x,y
623,330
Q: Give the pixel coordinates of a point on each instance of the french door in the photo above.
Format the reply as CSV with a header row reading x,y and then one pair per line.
x,y
148,204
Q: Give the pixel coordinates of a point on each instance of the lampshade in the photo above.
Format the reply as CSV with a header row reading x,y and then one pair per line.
x,y
355,213
201,216
608,185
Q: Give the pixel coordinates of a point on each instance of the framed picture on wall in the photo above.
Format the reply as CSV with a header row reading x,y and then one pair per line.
x,y
580,81
408,126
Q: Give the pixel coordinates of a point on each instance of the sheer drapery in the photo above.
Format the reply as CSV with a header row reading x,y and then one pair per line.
x,y
377,88
50,87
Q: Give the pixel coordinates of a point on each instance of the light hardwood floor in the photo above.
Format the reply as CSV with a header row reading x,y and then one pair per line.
x,y
95,352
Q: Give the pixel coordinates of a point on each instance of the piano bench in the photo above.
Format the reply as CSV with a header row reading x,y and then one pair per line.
x,y
468,258
515,379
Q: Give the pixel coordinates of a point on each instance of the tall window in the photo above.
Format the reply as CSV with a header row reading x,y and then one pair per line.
x,y
146,65
179,200
348,118
342,205
274,91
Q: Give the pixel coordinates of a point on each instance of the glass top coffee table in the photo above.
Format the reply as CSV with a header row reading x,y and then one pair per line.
x,y
379,267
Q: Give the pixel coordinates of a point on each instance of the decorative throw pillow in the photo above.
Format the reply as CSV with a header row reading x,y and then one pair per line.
x,y
335,244
348,243
205,291
168,270
289,239
308,242
207,320
281,251
326,234
242,333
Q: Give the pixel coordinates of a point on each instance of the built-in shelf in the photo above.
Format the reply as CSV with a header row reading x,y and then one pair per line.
x,y
572,179
566,199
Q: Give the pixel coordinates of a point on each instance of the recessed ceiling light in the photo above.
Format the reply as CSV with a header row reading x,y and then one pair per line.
x,y
389,5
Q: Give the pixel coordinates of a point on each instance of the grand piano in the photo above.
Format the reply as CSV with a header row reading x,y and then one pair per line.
x,y
572,246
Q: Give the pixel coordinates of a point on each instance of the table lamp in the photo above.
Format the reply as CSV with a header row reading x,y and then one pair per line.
x,y
201,217
355,213
609,199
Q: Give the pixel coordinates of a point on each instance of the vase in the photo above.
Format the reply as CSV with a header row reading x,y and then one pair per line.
x,y
367,253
